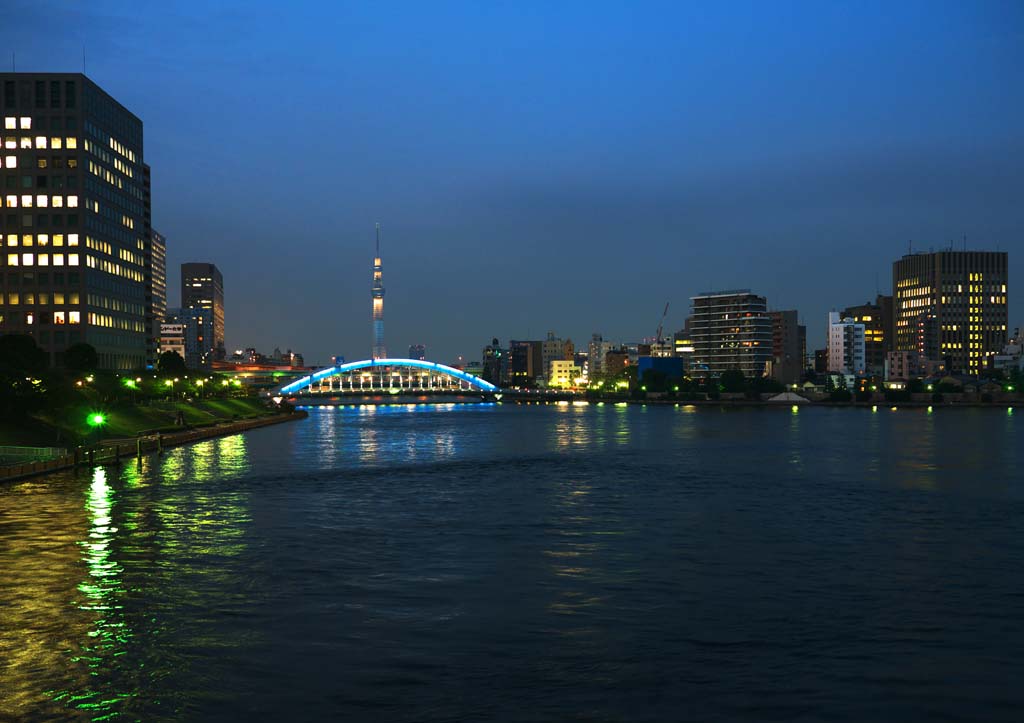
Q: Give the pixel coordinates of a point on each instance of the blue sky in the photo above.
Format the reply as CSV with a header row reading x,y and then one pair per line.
x,y
559,166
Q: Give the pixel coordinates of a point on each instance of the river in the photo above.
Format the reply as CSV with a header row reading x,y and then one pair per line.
x,y
529,563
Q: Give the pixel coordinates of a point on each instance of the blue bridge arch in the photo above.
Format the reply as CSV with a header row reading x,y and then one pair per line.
x,y
303,383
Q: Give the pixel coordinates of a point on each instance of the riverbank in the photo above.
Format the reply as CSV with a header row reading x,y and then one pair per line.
x,y
117,450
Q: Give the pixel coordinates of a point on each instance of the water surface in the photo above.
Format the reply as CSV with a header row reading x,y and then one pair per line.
x,y
529,563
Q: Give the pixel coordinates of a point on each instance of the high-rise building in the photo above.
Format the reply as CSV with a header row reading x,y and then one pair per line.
x,y
845,346
156,288
380,351
951,306
731,330
202,287
596,351
73,212
787,356
877,320
417,351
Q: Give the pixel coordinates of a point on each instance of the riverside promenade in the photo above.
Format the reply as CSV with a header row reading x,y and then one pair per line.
x,y
114,451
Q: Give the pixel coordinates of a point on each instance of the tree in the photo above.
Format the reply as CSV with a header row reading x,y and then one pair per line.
x,y
170,363
22,364
80,358
20,355
733,381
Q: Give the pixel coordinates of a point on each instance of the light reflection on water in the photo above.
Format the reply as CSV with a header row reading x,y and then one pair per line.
x,y
454,562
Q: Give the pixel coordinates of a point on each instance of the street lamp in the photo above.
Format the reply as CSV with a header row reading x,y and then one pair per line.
x,y
96,420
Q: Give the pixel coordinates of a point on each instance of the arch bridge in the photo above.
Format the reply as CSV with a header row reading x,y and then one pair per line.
x,y
392,376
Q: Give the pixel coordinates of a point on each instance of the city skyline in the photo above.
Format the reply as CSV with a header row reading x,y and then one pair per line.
x,y
726,171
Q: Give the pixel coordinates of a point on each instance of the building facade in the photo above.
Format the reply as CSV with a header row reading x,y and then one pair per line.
x,y
787,362
951,306
172,337
202,287
197,324
845,346
596,351
564,373
73,212
877,319
731,330
156,290
525,363
495,364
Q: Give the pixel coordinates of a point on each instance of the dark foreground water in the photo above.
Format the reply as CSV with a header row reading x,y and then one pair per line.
x,y
529,563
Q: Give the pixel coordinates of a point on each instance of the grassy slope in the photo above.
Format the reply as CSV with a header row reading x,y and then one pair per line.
x,y
49,429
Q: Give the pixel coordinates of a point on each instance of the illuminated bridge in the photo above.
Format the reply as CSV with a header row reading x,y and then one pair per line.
x,y
386,376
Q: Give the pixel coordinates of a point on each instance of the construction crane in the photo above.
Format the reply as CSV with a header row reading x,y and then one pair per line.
x,y
661,323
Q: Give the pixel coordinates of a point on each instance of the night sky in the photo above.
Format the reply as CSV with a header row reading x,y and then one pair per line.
x,y
564,166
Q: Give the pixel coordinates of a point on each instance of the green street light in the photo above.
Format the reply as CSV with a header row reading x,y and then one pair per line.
x,y
168,383
96,419
130,383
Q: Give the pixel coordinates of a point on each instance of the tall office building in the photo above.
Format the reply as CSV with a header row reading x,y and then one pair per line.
x,y
878,337
731,330
787,354
156,289
73,211
377,293
951,306
845,346
202,287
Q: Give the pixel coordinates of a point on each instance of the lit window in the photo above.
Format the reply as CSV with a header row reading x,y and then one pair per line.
x,y
58,317
74,317
58,259
26,201
73,297
56,143
71,143
12,239
26,239
11,161
10,123
26,142
58,239
43,239
26,124
72,201
72,239
72,259
42,201
43,260
12,299
30,318
58,298
12,202
40,141
27,259
57,202
11,142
